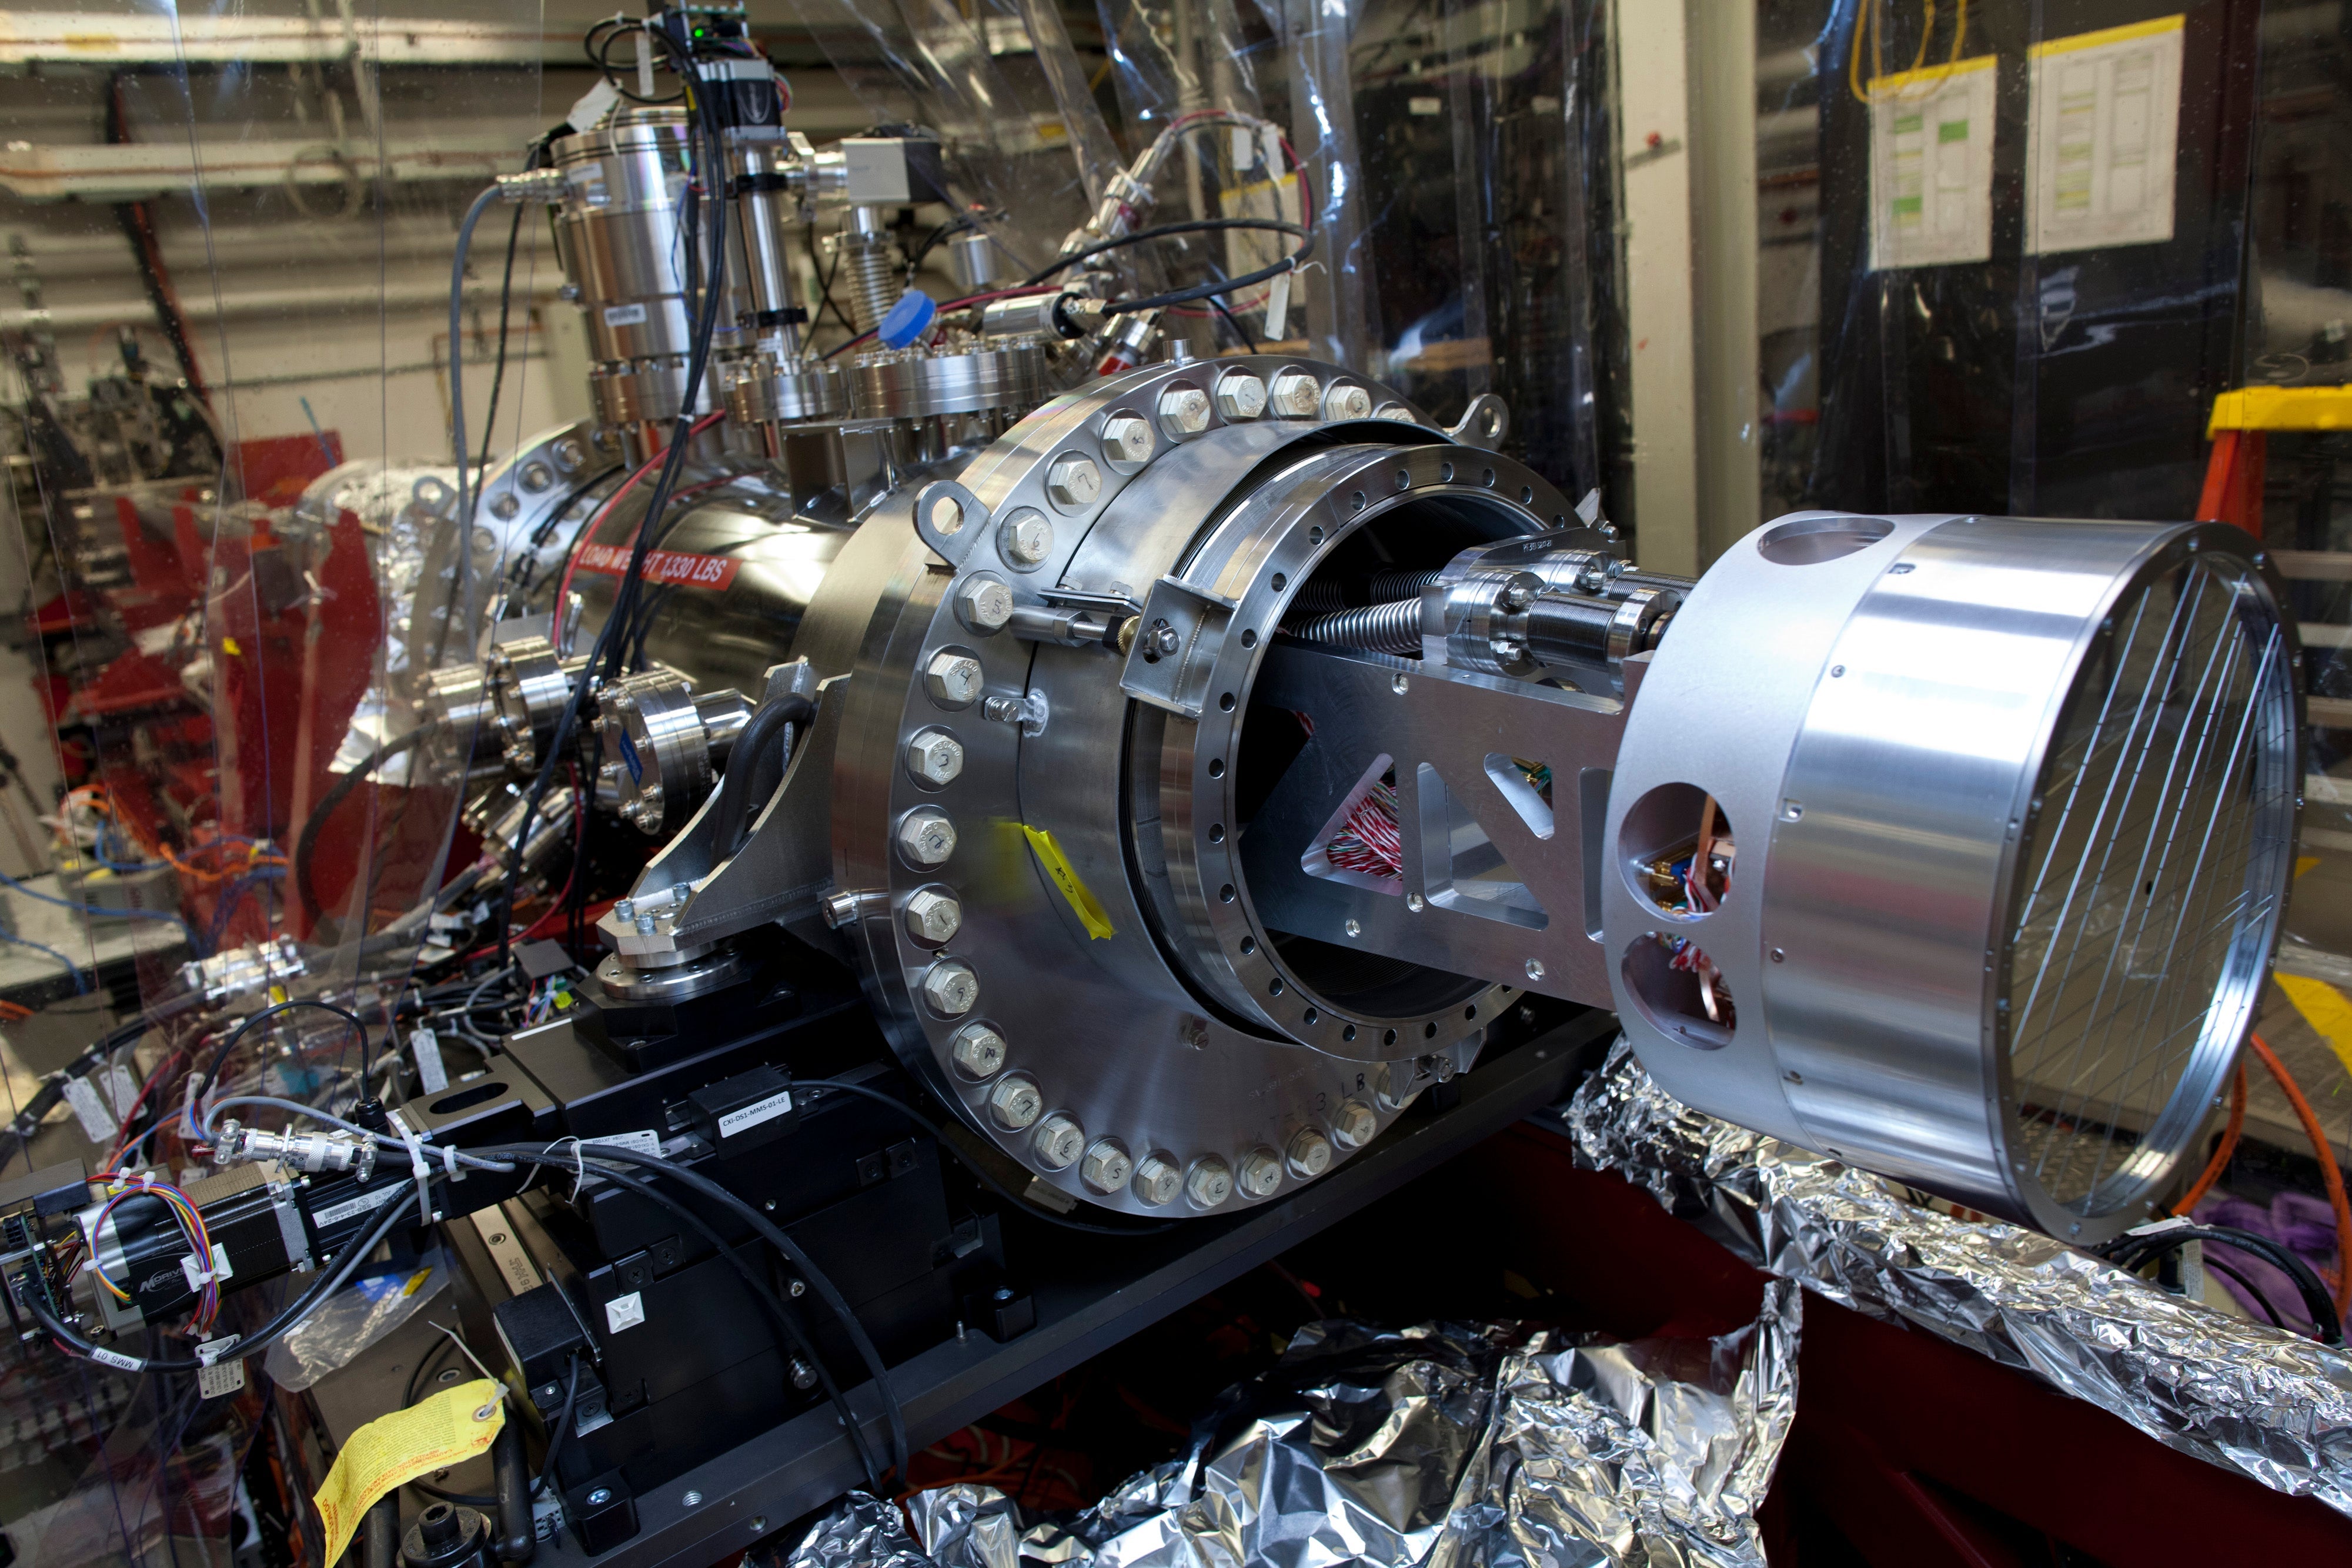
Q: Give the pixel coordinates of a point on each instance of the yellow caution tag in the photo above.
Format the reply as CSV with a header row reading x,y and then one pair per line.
x,y
393,1450
228,646
1082,900
2323,1007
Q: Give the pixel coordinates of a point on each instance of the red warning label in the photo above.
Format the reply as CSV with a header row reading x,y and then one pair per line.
x,y
662,566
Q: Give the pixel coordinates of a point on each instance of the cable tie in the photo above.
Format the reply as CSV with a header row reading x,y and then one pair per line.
x,y
423,1172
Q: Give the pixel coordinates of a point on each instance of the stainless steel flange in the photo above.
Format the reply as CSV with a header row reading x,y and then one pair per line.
x,y
2013,803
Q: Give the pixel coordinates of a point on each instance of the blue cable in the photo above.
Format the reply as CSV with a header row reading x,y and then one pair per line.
x,y
81,987
235,896
101,913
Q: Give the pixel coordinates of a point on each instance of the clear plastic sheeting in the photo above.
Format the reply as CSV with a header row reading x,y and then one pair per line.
x,y
1442,1444
2243,1395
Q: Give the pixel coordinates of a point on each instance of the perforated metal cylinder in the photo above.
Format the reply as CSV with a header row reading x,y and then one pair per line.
x,y
2010,806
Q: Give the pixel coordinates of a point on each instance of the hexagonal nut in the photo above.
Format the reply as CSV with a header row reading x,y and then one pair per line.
x,y
1014,1102
1355,1124
1210,1183
978,1051
1107,1168
1056,1141
1241,395
1158,1180
1128,439
507,505
951,987
1310,1154
934,916
1347,401
935,757
1026,538
925,836
1295,396
1184,411
1397,1082
537,477
569,454
1074,482
1261,1173
984,601
953,679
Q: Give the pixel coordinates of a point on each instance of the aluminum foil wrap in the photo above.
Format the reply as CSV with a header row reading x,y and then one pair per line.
x,y
2243,1395
1458,1446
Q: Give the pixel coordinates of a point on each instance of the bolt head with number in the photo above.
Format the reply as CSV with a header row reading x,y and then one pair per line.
x,y
1014,1103
926,837
1295,396
1127,439
1158,1180
1355,1124
1211,1182
984,603
1074,482
951,987
1310,1154
1261,1173
1184,411
978,1051
935,757
1348,402
1107,1168
953,679
1026,538
1058,1141
1240,395
934,916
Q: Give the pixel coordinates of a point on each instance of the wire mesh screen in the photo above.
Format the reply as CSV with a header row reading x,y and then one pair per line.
x,y
2155,866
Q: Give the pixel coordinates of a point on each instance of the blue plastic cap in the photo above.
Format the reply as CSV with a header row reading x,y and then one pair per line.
x,y
907,320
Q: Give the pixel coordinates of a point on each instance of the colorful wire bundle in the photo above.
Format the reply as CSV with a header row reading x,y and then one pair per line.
x,y
191,1226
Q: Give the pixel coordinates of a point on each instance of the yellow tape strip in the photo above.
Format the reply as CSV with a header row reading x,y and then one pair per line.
x,y
1927,76
393,1450
2323,1007
2124,34
1081,898
2282,408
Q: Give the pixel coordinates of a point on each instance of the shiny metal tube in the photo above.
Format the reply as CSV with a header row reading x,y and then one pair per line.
x,y
1391,628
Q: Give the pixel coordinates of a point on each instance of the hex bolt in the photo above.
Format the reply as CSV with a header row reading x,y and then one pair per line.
x,y
978,1051
1014,1102
1349,402
925,836
1535,970
1355,1124
1026,538
1127,439
1396,1084
1157,1180
984,603
537,477
1297,395
1184,411
951,987
1056,1141
1310,1154
1074,482
645,922
934,916
1261,1173
570,453
953,679
1108,1166
803,1375
935,757
1161,641
1210,1183
1240,395
505,506
625,909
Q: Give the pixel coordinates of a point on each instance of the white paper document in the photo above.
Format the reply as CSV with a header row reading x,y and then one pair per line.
x,y
2102,117
1931,165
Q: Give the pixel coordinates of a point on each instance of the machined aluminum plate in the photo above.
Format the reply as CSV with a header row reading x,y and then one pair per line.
x,y
2014,805
1093,1011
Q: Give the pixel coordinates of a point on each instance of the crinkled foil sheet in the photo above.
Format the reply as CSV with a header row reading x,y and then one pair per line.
x,y
2243,1395
1443,1444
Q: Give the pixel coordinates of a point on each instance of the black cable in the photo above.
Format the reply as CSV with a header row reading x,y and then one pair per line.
x,y
825,301
37,1105
2262,1302
220,1057
2133,1252
707,163
777,1312
277,1328
562,1427
1020,1204
749,768
308,843
793,1254
1188,225
1235,322
498,367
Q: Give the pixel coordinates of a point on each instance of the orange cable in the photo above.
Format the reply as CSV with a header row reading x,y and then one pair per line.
x,y
2328,1171
2224,1149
